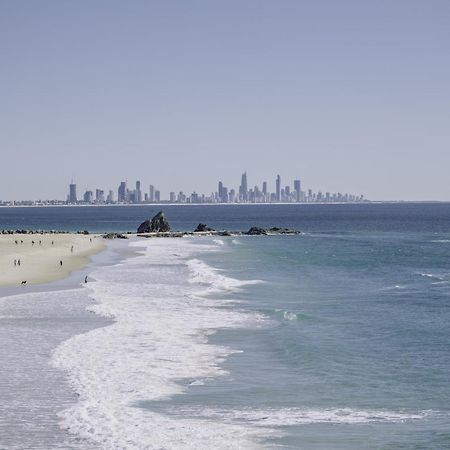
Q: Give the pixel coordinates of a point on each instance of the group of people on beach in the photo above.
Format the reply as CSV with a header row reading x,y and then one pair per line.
x,y
17,261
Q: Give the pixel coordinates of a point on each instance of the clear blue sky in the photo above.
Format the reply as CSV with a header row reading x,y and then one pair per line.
x,y
349,96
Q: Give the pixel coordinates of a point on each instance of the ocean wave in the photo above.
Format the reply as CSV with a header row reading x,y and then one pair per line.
x,y
282,417
159,338
212,279
218,242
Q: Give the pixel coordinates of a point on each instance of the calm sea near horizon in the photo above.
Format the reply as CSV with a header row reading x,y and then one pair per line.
x,y
337,338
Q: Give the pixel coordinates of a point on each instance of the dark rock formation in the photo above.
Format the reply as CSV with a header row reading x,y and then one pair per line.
x,y
280,230
114,236
256,231
159,224
202,227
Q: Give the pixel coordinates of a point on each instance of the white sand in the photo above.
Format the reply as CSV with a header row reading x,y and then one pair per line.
x,y
40,263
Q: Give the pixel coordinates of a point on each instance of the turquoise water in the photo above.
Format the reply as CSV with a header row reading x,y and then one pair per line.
x,y
360,332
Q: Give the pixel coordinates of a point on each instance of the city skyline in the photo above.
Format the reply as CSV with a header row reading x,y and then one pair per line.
x,y
264,192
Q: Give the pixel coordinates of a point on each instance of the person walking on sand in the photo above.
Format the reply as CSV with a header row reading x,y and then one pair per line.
x,y
60,263
18,262
71,249
85,279
15,262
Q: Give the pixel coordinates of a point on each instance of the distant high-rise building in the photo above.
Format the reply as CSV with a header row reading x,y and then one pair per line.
x,y
72,193
264,187
220,192
99,196
88,197
157,196
298,190
110,197
122,192
151,194
225,195
138,193
172,197
278,188
243,188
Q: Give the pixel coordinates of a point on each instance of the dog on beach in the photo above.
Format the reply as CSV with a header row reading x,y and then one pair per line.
x,y
24,282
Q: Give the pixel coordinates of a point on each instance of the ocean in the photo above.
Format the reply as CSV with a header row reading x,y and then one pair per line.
x,y
337,338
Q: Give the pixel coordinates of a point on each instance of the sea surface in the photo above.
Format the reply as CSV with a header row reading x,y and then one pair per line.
x,y
338,338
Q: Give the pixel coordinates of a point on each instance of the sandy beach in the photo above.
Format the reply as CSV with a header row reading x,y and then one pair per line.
x,y
21,260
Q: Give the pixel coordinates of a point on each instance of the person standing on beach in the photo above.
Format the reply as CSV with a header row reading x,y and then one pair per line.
x,y
15,262
18,262
60,263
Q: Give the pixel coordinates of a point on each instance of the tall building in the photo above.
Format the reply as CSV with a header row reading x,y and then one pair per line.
x,y
264,188
89,197
122,192
138,194
278,188
220,192
224,195
110,197
298,190
157,196
243,188
172,197
151,194
99,196
72,193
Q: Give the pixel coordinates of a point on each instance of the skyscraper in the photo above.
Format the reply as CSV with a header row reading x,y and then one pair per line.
x,y
88,197
243,188
151,194
264,187
138,194
122,192
72,193
278,188
298,190
220,192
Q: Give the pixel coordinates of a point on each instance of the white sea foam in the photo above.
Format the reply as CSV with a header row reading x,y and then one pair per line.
x,y
219,242
159,338
272,417
211,279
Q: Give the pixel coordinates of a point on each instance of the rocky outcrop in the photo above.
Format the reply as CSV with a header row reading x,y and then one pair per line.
x,y
114,236
256,231
159,224
202,227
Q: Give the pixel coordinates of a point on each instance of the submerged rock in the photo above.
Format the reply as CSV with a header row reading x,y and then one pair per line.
x,y
202,227
158,224
256,231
